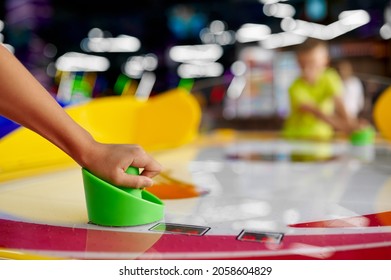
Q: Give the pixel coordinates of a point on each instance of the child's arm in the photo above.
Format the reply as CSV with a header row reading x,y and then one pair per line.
x,y
331,120
335,121
349,124
339,121
24,100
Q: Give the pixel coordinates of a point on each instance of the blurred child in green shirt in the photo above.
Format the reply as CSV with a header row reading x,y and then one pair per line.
x,y
317,110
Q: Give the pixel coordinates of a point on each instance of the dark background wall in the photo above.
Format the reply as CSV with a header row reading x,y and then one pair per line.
x,y
31,24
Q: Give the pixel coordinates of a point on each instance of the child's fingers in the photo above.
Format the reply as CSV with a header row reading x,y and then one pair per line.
x,y
133,181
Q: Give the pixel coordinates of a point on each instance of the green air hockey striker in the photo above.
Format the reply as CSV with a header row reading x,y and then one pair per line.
x,y
364,136
109,205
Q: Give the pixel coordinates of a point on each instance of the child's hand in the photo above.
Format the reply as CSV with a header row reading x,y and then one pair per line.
x,y
358,124
110,161
351,125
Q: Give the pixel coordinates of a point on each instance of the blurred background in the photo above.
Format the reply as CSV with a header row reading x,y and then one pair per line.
x,y
235,56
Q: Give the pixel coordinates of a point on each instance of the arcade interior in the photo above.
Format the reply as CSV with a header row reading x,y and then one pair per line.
x,y
206,88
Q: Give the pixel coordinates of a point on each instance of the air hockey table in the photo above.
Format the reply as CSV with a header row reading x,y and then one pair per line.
x,y
257,196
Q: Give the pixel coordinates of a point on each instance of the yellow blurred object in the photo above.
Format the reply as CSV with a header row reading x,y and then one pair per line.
x,y
165,121
21,255
382,114
168,120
